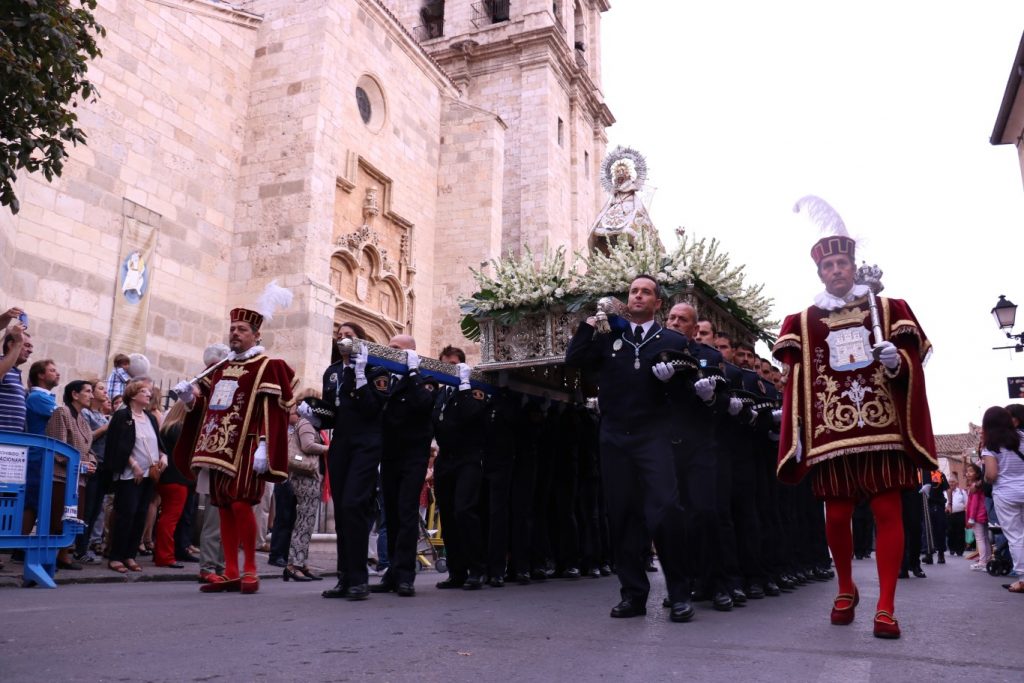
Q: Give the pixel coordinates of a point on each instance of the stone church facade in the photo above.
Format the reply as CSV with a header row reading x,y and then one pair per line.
x,y
363,153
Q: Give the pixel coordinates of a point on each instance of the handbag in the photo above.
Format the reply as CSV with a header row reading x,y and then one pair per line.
x,y
301,464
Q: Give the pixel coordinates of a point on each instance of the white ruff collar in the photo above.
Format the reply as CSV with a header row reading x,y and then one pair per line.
x,y
246,355
827,302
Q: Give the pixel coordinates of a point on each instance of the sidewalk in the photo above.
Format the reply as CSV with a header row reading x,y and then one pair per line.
x,y
322,561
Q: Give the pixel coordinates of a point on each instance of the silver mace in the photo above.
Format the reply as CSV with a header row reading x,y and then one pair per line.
x,y
871,276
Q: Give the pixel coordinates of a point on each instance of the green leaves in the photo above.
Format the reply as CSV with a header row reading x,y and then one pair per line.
x,y
45,47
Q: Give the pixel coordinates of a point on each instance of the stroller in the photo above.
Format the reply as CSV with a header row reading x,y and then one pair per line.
x,y
430,548
1001,562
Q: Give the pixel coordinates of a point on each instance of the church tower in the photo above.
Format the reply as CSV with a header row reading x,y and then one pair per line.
x,y
536,65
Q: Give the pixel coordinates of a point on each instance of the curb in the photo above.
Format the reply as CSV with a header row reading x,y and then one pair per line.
x,y
15,581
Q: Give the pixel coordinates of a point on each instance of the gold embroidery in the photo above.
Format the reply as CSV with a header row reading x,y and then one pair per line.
x,y
857,403
235,371
219,438
846,317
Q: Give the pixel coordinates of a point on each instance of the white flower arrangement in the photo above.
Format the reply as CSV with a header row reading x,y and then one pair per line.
x,y
523,284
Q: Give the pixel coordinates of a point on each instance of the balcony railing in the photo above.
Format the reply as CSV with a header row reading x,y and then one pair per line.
x,y
491,12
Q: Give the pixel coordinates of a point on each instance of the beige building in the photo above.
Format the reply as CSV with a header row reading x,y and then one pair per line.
x,y
363,153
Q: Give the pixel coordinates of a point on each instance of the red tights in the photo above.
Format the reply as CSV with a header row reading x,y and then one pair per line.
x,y
888,513
238,526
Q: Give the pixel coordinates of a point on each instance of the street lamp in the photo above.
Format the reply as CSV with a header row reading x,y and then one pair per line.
x,y
1005,313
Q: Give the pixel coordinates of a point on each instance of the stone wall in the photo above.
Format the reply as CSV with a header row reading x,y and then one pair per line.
x,y
167,135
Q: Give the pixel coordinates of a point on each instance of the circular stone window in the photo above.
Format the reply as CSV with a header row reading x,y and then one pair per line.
x,y
370,102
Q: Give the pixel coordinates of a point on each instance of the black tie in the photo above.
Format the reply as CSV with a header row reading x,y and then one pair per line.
x,y
638,334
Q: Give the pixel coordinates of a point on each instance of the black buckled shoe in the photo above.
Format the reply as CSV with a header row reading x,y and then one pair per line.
x,y
628,609
681,611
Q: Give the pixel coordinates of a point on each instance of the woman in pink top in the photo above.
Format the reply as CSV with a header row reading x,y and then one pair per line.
x,y
977,517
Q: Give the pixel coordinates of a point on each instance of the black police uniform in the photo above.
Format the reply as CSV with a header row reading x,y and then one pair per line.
x,y
460,431
352,460
498,461
641,491
408,431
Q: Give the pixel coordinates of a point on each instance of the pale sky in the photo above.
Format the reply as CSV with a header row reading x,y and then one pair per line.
x,y
884,109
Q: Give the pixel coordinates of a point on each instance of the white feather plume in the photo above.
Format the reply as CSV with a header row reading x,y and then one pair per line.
x,y
274,297
138,365
822,214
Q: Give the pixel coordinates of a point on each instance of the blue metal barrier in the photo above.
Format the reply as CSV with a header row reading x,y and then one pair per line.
x,y
41,549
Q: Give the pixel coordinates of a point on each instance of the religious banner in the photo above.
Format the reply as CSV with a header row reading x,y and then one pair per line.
x,y
1015,387
133,280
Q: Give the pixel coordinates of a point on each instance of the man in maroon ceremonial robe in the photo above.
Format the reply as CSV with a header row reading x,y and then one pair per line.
x,y
237,427
855,415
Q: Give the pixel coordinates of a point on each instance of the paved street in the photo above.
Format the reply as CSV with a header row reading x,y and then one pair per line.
x,y
957,624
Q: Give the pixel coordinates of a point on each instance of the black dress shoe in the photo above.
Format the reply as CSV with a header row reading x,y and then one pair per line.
x,y
496,582
338,591
681,612
784,583
927,559
473,583
771,589
820,574
538,574
627,609
450,583
942,558
188,558
594,573
382,587
721,602
919,573
172,565
358,592
801,578
755,591
405,590
277,562
738,597
904,574
571,573
700,595
309,575
523,578
605,570
72,565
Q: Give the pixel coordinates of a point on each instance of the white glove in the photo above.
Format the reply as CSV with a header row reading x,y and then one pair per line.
x,y
735,406
888,354
663,371
464,371
777,416
705,389
259,459
926,488
183,390
304,411
412,360
358,360
753,417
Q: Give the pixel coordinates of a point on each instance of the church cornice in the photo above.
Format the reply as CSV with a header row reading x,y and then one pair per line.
x,y
214,10
544,46
404,38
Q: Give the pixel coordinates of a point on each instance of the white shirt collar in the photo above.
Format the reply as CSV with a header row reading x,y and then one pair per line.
x,y
828,302
647,326
246,355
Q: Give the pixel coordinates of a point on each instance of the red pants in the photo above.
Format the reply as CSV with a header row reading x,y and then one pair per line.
x,y
172,502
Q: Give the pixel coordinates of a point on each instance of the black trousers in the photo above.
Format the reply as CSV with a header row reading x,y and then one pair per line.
x,y
352,468
284,520
496,488
588,506
524,477
937,514
92,503
772,544
184,531
744,516
642,498
912,520
457,483
695,455
402,471
564,487
131,502
955,532
541,554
